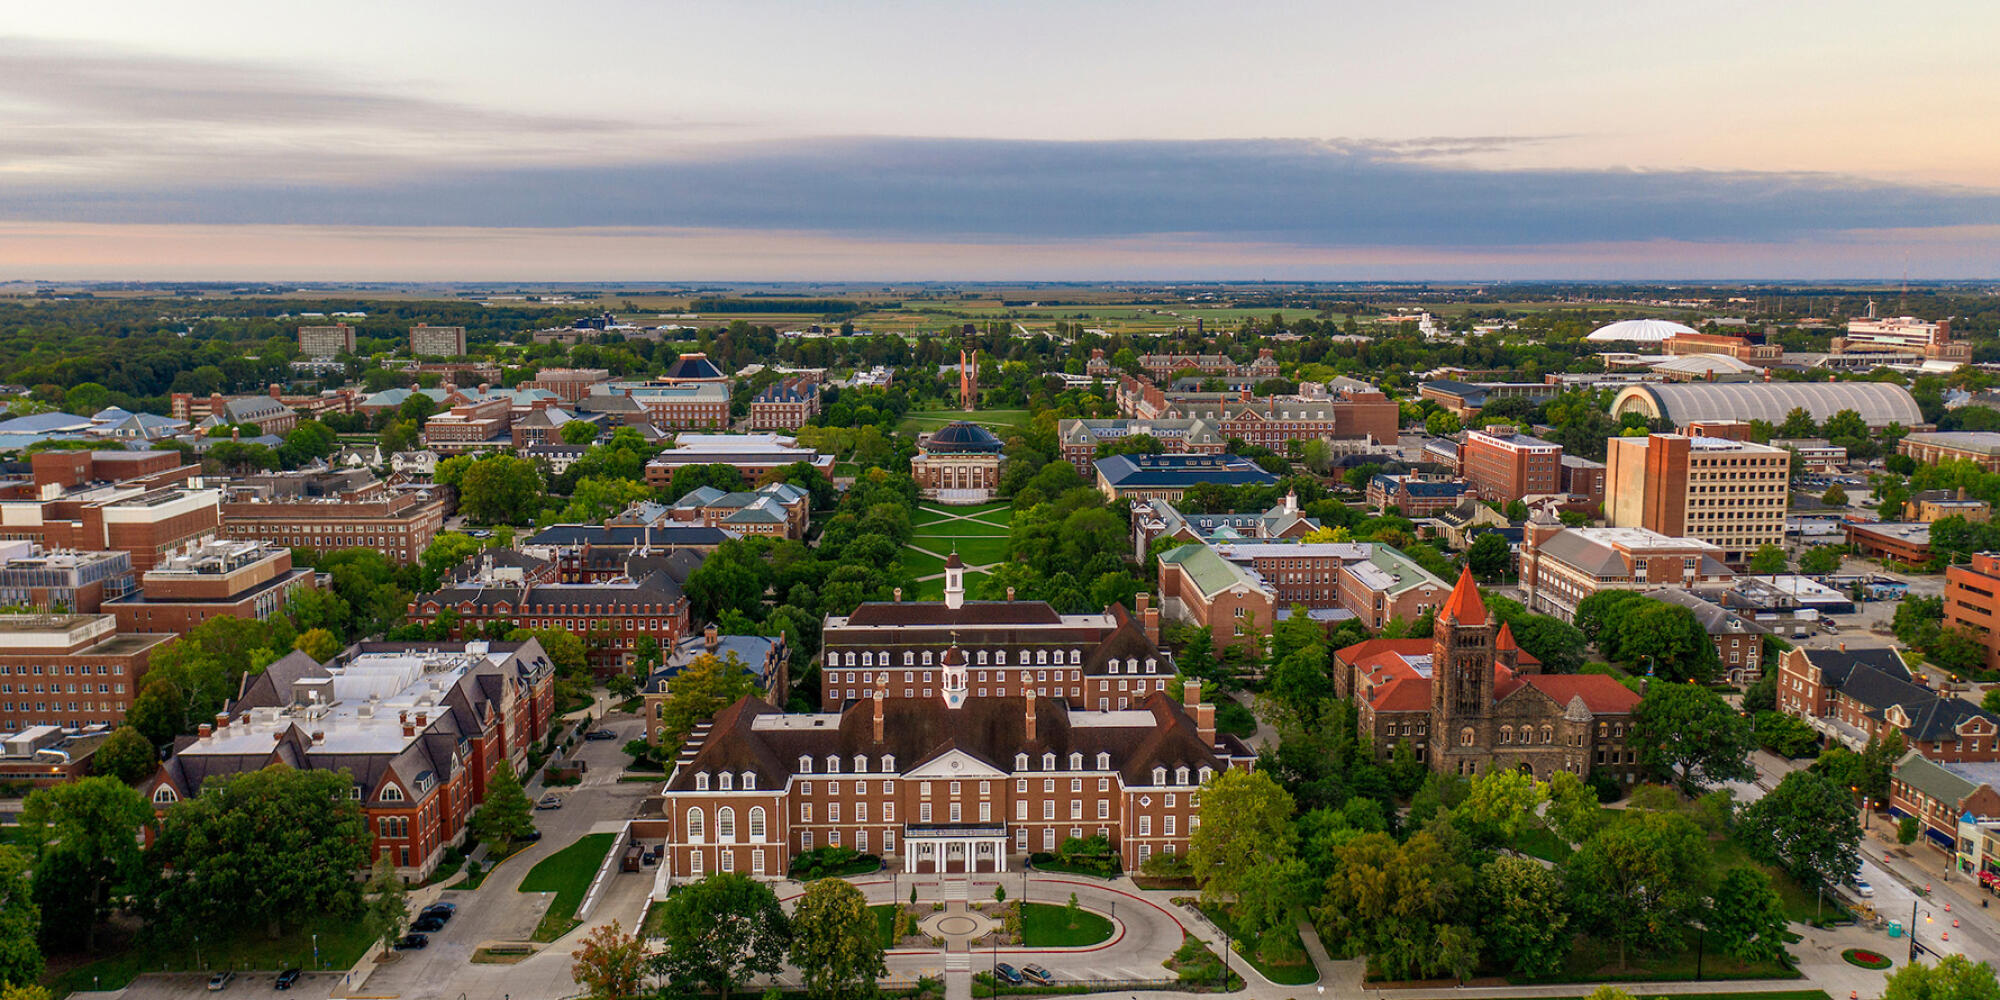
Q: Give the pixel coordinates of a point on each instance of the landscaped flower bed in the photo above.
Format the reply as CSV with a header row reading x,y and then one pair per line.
x,y
1865,958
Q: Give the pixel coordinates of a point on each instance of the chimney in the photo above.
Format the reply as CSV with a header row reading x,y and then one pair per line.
x,y
1029,737
204,730
1010,594
485,387
1843,645
319,737
709,638
1204,723
423,719
1191,693
409,731
275,394
881,698
235,432
899,595
221,720
1149,618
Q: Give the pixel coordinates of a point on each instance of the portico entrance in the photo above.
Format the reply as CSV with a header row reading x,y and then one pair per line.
x,y
942,848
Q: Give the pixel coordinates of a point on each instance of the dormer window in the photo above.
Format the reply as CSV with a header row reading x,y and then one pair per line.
x,y
701,781
1206,772
392,793
909,657
1075,657
1048,762
832,764
805,764
1020,762
1041,656
1076,762
749,781
1180,775
860,764
1152,665
726,781
164,795
1000,657
1103,761
1159,776
888,763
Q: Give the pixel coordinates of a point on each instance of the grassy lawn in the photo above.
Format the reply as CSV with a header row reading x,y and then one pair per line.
x,y
885,923
342,942
567,873
1593,960
933,590
1288,974
975,550
983,512
916,423
922,563
1045,925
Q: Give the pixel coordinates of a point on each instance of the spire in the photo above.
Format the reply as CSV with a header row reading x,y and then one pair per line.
x,y
1505,640
1464,606
954,580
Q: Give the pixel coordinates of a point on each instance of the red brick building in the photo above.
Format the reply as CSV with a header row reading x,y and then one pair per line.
x,y
69,670
1972,601
785,405
1502,464
327,511
100,501
1852,696
243,579
610,617
570,385
1269,421
421,727
944,787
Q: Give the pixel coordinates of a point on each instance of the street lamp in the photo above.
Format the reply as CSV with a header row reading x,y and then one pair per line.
x,y
315,951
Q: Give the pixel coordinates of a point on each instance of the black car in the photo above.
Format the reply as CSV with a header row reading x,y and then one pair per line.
x,y
442,911
413,942
530,837
596,735
427,924
1007,974
286,979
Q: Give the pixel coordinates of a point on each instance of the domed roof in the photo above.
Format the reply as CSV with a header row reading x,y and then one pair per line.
x,y
960,436
1639,331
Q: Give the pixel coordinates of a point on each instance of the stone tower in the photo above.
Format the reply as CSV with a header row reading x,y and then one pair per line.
x,y
1462,647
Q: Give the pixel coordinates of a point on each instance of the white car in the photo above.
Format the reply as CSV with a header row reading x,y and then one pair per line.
x,y
1861,887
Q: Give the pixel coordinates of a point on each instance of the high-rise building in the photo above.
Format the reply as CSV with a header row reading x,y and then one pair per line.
x,y
320,342
1503,464
1729,493
441,341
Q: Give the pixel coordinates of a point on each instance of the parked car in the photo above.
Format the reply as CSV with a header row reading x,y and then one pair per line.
x,y
1861,887
531,837
413,942
598,735
442,911
1038,975
1007,974
549,801
220,981
286,979
427,924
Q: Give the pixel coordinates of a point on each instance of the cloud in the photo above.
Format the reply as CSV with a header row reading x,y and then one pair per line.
x,y
1279,191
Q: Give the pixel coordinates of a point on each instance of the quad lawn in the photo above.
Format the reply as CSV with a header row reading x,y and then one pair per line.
x,y
993,515
342,942
933,589
973,550
1046,925
922,564
567,873
917,422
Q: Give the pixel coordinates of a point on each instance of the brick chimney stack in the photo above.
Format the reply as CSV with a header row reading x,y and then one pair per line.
x,y
1149,616
710,639
1030,736
881,699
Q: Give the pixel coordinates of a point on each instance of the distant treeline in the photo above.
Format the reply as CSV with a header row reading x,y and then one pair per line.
x,y
829,307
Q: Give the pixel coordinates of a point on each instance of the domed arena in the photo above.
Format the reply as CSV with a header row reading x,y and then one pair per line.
x,y
1638,331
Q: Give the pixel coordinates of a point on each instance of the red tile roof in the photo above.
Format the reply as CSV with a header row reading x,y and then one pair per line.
x,y
1408,694
1464,606
1601,694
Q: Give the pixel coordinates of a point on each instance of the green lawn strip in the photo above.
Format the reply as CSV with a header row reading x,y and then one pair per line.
x,y
1593,960
885,923
1289,974
342,942
951,514
1047,925
974,550
567,873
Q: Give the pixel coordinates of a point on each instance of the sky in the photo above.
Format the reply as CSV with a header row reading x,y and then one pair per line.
x,y
600,140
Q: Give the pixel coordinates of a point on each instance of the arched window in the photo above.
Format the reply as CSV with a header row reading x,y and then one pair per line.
x,y
701,782
1048,762
1180,775
1465,737
832,764
697,824
1076,762
1159,776
725,824
1506,734
1020,762
164,795
1548,734
860,764
757,824
1206,773
391,793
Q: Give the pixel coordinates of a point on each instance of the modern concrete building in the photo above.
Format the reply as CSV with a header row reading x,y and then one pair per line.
x,y
62,580
1972,601
437,341
1680,404
222,578
1732,494
322,342
70,670
1906,335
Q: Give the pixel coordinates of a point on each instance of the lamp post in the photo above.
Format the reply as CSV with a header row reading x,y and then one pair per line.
x,y
315,951
197,953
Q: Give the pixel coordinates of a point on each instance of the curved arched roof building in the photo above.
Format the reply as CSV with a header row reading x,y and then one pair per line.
x,y
1638,331
1878,403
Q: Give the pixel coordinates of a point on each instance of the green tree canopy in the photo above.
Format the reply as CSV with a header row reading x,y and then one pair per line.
x,y
126,755
1246,823
835,944
86,838
1687,734
719,932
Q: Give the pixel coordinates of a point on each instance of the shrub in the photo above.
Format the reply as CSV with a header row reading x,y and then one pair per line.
x,y
829,862
1167,864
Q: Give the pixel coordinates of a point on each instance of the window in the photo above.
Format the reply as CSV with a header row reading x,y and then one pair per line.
x,y
757,826
728,861
1076,784
1020,809
391,793
1103,761
1103,808
749,781
1145,826
696,824
805,765
726,781
1020,762
1048,809
1076,762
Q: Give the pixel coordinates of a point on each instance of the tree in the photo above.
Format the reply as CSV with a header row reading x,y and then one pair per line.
x,y
1820,560
388,902
1197,655
578,432
609,964
707,685
1989,701
1388,900
1798,424
565,650
1834,496
1523,916
501,489
1906,830
1954,977
1639,880
718,932
1498,804
1785,735
265,847
1608,993
1687,734
506,816
319,644
1489,556
20,920
125,755
1246,822
1747,916
1573,812
1769,560
1807,825
835,944
86,836
1443,423
1299,683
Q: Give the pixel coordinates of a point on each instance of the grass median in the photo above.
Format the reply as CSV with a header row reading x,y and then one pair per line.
x,y
567,873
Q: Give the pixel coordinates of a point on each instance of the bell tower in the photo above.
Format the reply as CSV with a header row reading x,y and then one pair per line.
x,y
1462,650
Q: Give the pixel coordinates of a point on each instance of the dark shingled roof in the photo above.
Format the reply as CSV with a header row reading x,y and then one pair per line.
x,y
972,613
